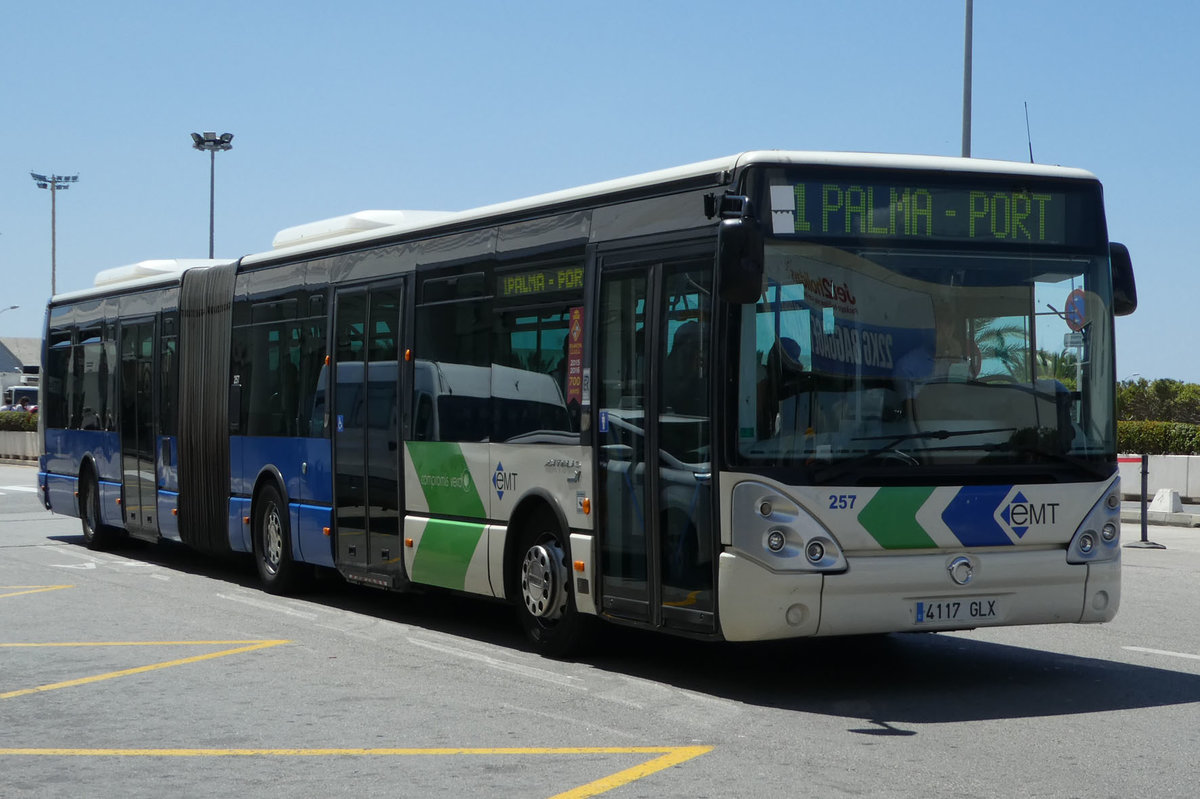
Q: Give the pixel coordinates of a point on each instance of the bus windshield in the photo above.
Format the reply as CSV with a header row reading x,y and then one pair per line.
x,y
881,363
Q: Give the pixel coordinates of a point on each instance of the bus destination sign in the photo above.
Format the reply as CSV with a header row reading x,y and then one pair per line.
x,y
531,282
828,209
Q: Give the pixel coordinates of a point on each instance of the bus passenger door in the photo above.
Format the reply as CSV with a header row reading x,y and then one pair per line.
x,y
654,476
366,432
138,494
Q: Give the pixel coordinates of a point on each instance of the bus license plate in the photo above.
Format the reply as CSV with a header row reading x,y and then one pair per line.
x,y
948,611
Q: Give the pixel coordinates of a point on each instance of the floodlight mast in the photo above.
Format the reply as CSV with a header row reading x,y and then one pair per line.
x,y
210,142
54,183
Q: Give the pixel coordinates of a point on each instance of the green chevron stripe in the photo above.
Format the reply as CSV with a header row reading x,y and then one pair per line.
x,y
891,517
445,479
445,553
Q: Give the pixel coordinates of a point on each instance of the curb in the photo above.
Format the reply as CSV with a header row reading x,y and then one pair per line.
x,y
1161,517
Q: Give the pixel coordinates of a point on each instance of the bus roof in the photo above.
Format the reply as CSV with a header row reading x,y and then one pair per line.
x,y
364,227
143,274
358,222
367,226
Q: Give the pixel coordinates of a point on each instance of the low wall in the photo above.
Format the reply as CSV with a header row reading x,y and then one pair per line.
x,y
1177,472
19,446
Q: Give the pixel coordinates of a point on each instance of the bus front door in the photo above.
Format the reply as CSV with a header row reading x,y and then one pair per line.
x,y
366,433
139,497
654,475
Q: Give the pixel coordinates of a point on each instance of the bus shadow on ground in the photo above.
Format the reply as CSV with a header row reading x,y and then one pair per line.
x,y
919,678
492,622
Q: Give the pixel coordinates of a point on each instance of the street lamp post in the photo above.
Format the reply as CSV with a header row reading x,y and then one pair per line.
x,y
209,141
54,183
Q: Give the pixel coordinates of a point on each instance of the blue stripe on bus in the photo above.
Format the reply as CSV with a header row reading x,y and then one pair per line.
x,y
971,516
168,522
248,455
65,450
309,542
238,530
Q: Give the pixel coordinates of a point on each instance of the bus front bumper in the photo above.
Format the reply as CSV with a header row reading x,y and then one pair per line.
x,y
914,593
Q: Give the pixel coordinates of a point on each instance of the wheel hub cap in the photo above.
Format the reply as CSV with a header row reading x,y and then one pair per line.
x,y
272,539
543,581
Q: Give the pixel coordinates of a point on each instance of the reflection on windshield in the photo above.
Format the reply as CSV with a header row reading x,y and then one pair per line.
x,y
908,360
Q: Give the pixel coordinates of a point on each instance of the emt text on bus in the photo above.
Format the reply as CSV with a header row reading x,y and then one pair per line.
x,y
774,395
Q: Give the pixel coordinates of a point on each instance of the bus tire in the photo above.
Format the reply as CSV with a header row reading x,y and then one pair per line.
x,y
96,536
273,544
545,602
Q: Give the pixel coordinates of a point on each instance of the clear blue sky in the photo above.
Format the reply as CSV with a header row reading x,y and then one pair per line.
x,y
338,107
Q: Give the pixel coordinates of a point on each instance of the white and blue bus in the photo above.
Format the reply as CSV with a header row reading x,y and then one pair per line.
x,y
774,395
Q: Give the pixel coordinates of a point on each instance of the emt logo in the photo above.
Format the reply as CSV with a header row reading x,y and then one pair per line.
x,y
988,516
503,481
1020,514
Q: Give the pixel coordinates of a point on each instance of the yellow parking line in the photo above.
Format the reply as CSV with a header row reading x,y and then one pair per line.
x,y
685,752
671,757
136,643
668,756
253,645
30,589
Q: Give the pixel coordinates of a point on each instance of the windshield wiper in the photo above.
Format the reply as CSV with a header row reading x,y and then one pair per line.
x,y
840,468
1097,471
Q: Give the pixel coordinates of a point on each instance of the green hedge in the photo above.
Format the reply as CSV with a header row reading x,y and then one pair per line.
x,y
18,421
1158,438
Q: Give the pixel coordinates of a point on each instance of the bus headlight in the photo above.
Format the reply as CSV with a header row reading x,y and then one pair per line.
x,y
1098,537
815,552
775,531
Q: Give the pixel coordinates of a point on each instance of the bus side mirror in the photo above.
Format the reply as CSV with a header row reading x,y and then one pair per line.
x,y
740,256
1124,288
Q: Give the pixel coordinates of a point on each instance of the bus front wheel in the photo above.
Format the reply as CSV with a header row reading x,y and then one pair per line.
x,y
273,544
545,602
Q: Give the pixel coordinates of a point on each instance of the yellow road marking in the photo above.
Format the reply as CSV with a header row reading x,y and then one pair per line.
x,y
30,589
136,643
668,756
671,757
687,752
252,645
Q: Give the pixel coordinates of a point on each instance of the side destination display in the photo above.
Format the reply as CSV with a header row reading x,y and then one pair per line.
x,y
540,281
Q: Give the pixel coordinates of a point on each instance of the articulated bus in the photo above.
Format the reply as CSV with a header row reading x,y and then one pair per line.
x,y
775,395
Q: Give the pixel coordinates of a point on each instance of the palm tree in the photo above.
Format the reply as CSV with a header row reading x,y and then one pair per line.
x,y
1062,366
1005,344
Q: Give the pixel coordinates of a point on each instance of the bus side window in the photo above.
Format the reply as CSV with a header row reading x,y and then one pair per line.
x,y
423,419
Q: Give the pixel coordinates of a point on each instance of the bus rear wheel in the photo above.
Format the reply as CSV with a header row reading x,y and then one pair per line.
x,y
545,603
96,535
273,544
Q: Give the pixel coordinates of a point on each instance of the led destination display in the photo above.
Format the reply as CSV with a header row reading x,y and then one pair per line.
x,y
541,281
817,209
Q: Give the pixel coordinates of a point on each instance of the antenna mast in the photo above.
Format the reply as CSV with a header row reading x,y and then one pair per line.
x,y
1028,136
966,124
